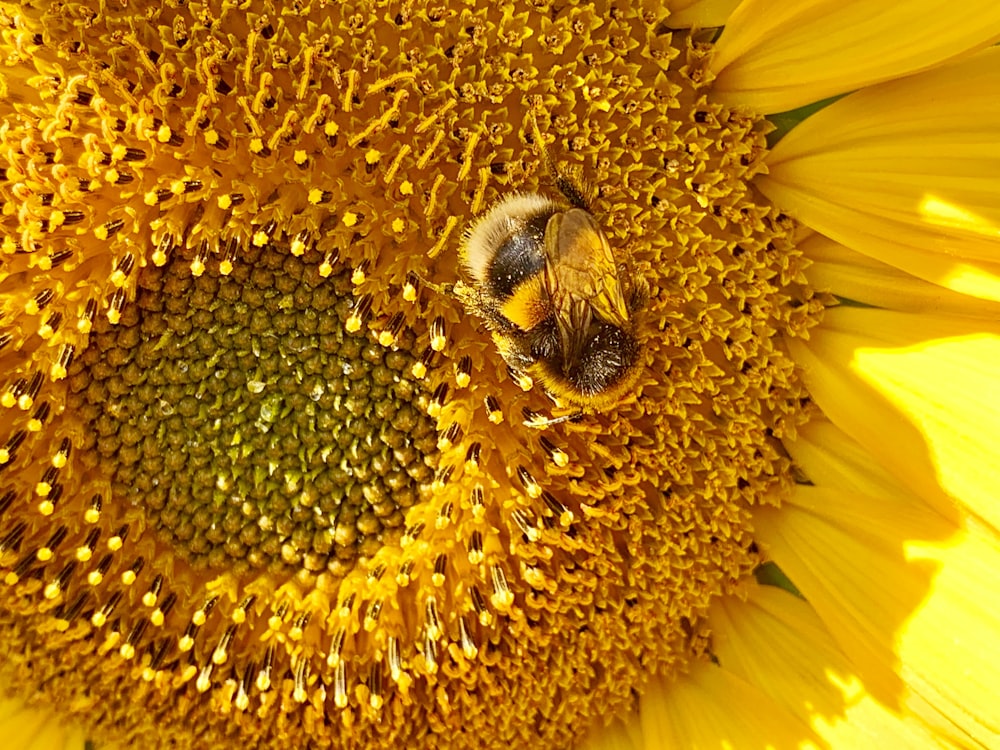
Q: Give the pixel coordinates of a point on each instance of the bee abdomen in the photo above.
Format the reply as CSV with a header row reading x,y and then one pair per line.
x,y
519,258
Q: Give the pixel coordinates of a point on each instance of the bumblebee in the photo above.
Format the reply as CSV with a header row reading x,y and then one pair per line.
x,y
560,306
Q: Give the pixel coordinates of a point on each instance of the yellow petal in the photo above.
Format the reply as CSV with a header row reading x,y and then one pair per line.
x,y
864,279
776,641
622,734
919,392
905,172
908,596
712,709
776,56
24,728
699,13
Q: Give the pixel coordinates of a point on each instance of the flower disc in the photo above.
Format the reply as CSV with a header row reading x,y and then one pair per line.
x,y
264,480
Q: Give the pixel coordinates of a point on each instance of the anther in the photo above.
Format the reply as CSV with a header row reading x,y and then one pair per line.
x,y
229,257
433,622
108,229
532,487
375,686
438,334
463,372
411,287
122,269
47,330
340,686
56,587
115,306
556,455
39,302
96,576
472,456
36,422
159,615
153,593
100,617
198,262
204,681
450,437
388,336
411,533
86,321
326,267
239,615
502,597
357,317
564,514
469,648
219,655
60,368
27,398
475,548
403,575
522,381
299,626
430,655
360,273
86,551
477,500
299,692
395,663
440,566
298,245
263,681
438,399
163,251
372,615
442,478
444,516
129,576
419,369
127,650
336,646
521,521
93,513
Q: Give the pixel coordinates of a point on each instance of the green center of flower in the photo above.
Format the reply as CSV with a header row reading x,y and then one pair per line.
x,y
248,423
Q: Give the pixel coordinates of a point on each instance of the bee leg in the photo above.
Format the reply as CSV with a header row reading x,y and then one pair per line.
x,y
572,190
538,422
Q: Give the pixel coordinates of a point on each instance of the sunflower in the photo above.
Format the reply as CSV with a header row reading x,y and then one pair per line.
x,y
265,482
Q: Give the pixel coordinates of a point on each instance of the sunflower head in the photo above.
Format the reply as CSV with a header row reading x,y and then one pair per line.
x,y
264,471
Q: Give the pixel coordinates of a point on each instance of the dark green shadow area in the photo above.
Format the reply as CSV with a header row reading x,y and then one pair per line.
x,y
785,121
769,574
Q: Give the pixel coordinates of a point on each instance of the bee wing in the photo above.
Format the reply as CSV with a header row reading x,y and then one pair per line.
x,y
581,278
